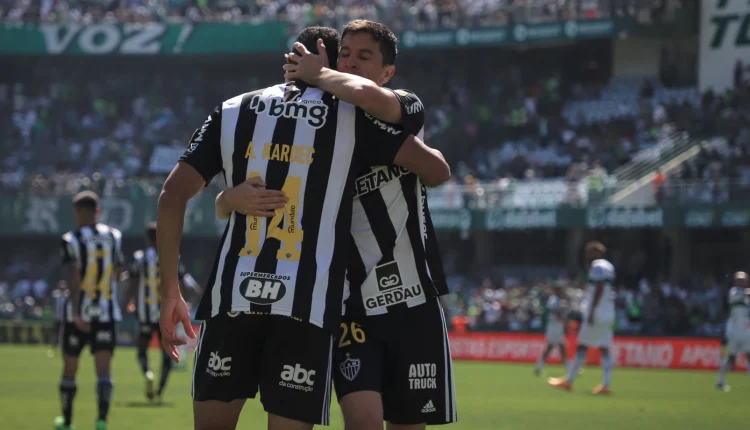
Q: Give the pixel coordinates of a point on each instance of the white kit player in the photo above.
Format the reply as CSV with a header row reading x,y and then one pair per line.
x,y
557,318
738,328
597,328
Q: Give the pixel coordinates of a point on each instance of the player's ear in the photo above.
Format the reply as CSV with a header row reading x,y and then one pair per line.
x,y
388,72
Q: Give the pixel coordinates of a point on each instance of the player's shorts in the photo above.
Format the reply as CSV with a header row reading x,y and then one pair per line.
x,y
738,344
287,360
555,334
598,335
146,331
405,356
102,337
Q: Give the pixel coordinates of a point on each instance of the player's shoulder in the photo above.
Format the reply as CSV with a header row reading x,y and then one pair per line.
x,y
106,229
413,103
602,267
138,255
69,236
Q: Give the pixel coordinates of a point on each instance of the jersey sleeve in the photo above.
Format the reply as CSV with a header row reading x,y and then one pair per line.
x,y
66,251
601,272
118,258
204,149
377,141
412,111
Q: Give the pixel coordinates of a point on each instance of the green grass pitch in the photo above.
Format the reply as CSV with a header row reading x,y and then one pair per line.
x,y
490,396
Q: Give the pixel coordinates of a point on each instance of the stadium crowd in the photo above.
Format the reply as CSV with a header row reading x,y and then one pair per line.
x,y
399,14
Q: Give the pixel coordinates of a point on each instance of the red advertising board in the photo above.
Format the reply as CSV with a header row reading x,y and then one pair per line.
x,y
628,351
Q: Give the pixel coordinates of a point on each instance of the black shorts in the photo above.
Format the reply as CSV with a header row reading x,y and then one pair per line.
x,y
405,356
102,337
146,331
287,360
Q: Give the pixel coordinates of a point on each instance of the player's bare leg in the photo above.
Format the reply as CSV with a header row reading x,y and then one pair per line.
x,y
406,426
216,415
104,386
143,362
362,410
607,365
567,382
726,365
542,359
68,389
563,355
276,422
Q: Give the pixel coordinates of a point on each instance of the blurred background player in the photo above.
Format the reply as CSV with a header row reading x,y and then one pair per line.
x,y
59,298
145,277
597,329
93,254
557,319
738,328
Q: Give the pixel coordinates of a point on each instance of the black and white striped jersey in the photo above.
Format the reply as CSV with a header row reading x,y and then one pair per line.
x,y
308,144
395,260
147,271
59,302
96,251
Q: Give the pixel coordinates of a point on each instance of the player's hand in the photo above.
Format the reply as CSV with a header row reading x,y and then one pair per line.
x,y
131,307
81,324
174,310
252,198
305,67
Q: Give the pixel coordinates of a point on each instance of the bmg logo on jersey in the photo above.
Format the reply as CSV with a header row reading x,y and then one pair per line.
x,y
263,288
217,366
313,111
297,378
388,276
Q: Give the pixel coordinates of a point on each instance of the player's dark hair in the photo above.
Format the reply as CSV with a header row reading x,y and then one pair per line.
x,y
331,38
381,33
151,232
595,245
86,200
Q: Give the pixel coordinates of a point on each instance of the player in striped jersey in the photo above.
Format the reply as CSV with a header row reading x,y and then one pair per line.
x,y
59,300
393,359
737,328
274,297
145,278
93,255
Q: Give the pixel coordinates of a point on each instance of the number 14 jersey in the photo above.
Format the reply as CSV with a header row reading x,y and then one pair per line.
x,y
308,144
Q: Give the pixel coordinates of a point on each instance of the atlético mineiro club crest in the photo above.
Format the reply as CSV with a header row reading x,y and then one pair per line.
x,y
350,368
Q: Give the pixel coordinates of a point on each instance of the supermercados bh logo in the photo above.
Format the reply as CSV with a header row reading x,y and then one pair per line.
x,y
504,219
313,111
624,218
263,288
391,288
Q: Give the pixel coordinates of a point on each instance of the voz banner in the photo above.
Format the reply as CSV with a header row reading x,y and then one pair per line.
x,y
649,352
724,39
142,39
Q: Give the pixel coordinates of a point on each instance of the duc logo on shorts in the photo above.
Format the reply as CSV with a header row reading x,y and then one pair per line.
x,y
297,378
423,376
388,276
350,368
263,288
217,366
104,336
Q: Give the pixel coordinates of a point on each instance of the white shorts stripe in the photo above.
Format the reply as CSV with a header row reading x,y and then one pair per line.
x,y
450,389
327,396
199,343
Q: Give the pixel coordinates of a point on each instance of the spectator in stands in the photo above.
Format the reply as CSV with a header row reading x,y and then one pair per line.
x,y
659,180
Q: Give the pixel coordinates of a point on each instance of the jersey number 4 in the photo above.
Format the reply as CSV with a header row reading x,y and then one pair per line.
x,y
290,235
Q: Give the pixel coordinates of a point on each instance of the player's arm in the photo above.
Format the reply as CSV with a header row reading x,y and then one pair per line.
x,y
197,166
381,103
385,144
249,198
